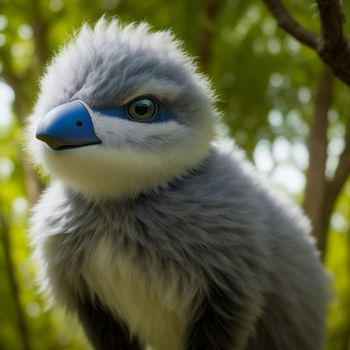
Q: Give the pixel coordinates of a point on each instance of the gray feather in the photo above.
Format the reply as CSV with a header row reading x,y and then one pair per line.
x,y
212,238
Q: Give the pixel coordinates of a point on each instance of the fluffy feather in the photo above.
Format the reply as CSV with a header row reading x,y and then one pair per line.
x,y
161,234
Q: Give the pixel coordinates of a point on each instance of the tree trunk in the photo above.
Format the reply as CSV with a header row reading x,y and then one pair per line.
x,y
11,274
316,205
32,184
205,36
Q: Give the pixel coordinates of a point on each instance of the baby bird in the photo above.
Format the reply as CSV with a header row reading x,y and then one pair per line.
x,y
149,232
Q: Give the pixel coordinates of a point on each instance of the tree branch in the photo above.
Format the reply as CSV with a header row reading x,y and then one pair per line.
x,y
290,25
332,20
332,46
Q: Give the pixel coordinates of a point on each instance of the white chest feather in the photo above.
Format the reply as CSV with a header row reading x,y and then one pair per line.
x,y
149,305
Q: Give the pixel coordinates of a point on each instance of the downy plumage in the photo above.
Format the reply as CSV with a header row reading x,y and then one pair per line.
x,y
155,235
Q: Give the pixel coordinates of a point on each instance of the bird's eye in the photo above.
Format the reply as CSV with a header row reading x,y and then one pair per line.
x,y
142,109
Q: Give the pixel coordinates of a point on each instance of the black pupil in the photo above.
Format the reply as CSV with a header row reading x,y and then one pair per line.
x,y
141,108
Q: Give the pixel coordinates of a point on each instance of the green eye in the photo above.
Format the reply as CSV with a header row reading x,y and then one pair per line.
x,y
142,109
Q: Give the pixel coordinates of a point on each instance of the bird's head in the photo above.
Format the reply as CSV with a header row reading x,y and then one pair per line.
x,y
121,110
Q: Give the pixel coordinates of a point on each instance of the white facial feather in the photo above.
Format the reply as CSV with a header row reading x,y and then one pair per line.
x,y
130,165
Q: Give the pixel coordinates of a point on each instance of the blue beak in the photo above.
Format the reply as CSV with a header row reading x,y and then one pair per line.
x,y
67,126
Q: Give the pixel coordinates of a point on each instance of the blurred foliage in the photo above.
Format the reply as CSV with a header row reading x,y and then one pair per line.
x,y
265,81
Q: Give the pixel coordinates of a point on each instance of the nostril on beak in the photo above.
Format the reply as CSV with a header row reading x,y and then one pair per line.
x,y
66,126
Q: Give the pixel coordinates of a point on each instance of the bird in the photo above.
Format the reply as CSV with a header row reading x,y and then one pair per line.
x,y
149,231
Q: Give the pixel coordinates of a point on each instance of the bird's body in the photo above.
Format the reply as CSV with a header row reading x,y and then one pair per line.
x,y
205,258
